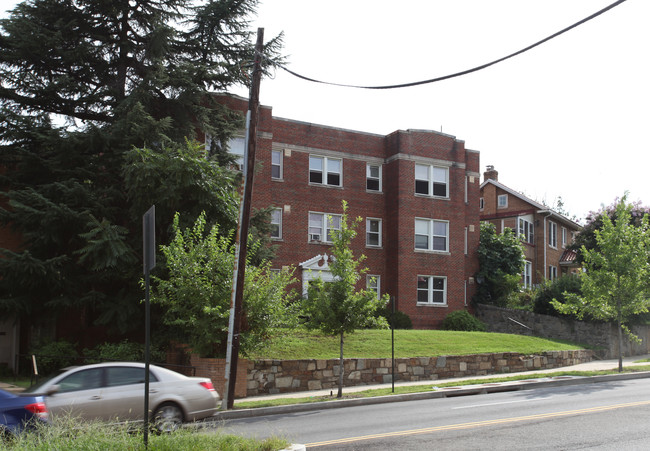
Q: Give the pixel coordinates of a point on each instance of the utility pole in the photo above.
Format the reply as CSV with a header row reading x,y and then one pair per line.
x,y
241,238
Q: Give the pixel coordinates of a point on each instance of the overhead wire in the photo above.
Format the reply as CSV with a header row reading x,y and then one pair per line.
x,y
457,74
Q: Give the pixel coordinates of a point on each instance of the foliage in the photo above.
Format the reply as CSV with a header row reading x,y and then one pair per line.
x,y
501,261
556,290
97,103
521,299
463,320
587,236
68,433
616,284
124,351
338,307
397,320
51,356
195,294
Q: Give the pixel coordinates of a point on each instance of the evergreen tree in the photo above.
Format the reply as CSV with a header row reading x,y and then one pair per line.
x,y
83,83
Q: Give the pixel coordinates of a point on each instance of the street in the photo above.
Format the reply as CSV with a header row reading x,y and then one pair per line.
x,y
599,416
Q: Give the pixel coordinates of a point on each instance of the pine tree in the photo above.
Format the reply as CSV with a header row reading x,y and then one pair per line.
x,y
83,84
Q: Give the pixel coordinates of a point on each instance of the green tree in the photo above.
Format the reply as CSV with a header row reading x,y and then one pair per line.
x,y
83,84
501,261
339,307
195,294
616,283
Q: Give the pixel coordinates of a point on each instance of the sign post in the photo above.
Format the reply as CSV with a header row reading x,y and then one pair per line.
x,y
149,262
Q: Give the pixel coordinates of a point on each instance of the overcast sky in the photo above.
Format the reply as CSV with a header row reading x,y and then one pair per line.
x,y
569,118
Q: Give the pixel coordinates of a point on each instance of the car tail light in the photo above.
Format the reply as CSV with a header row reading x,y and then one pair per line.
x,y
207,385
39,409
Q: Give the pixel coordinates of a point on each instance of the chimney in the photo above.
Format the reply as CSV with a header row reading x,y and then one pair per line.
x,y
490,173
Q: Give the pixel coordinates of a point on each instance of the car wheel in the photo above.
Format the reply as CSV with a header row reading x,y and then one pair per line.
x,y
168,417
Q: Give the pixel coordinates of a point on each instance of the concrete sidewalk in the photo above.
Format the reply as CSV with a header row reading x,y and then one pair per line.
x,y
594,365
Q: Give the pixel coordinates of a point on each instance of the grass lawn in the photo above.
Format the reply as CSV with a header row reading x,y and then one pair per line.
x,y
293,344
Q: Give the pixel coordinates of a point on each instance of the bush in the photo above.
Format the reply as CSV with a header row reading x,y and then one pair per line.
x,y
400,319
462,320
555,290
54,355
126,351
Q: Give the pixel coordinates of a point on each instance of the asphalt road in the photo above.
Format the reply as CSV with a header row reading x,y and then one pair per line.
x,y
602,416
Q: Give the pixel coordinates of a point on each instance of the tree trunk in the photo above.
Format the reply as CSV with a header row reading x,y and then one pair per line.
x,y
341,368
620,336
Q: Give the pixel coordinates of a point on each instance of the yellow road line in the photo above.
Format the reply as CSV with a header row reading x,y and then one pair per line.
x,y
475,424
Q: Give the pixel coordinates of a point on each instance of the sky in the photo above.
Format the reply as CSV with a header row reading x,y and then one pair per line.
x,y
567,119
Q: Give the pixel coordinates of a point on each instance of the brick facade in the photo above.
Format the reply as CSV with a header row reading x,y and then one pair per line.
x,y
547,235
396,261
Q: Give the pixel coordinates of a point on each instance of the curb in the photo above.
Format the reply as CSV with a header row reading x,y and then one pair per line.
x,y
448,392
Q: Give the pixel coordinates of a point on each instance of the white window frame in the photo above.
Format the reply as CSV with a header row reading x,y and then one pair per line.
x,y
430,290
552,234
564,235
325,170
373,282
552,272
431,234
240,155
432,180
502,201
526,230
279,165
527,274
481,203
322,231
378,233
369,177
276,221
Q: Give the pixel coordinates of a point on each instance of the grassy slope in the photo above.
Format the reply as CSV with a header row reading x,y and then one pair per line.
x,y
301,344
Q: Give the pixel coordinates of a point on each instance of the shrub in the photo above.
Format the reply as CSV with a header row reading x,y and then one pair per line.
x,y
555,289
54,355
400,320
125,350
462,320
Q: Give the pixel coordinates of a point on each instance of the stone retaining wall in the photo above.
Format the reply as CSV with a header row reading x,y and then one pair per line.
x,y
285,376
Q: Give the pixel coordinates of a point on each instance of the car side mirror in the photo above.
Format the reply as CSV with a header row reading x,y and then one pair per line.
x,y
53,390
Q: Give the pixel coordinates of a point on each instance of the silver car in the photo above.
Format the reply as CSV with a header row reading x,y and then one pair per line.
x,y
115,392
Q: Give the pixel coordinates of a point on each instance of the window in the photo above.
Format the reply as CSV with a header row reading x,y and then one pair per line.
x,y
373,177
325,171
276,223
502,201
527,274
525,231
236,146
431,235
552,234
373,232
82,380
372,283
321,226
276,164
432,290
124,375
552,272
481,203
431,180
563,237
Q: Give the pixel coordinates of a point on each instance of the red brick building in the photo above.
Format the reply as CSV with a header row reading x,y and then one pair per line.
x,y
416,190
544,232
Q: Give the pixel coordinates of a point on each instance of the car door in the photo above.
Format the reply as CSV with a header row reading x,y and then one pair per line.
x,y
80,394
124,393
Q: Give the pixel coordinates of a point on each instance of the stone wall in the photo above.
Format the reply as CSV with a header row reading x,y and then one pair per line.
x,y
603,336
285,376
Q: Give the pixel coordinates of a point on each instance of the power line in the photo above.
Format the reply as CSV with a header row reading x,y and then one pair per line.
x,y
457,74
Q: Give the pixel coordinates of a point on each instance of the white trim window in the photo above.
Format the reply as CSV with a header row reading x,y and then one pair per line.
x,y
526,231
564,235
552,234
373,177
502,201
234,147
276,223
431,235
432,290
527,275
325,171
276,165
431,180
481,203
322,225
373,232
552,272
373,283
